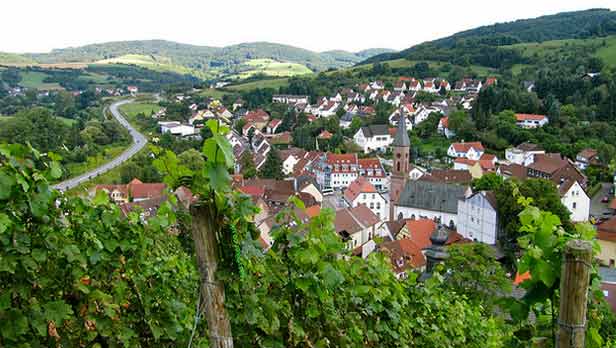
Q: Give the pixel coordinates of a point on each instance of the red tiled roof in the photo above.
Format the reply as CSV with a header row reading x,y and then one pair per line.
x,y
464,147
529,117
349,158
313,211
252,190
404,254
445,121
325,135
258,115
275,122
364,215
607,230
369,163
357,187
420,231
519,278
139,190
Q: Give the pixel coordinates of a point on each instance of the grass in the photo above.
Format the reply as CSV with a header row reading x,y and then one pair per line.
x,y
430,145
156,63
131,110
92,162
34,80
268,83
606,53
13,58
67,121
270,67
213,93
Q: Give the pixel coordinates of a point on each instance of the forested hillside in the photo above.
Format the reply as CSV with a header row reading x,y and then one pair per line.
x,y
483,45
201,61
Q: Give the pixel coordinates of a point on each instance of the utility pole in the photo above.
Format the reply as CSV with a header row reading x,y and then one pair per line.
x,y
574,294
212,292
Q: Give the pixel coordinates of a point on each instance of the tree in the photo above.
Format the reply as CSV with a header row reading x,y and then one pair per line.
x,y
239,125
192,159
74,272
247,164
488,182
472,271
272,168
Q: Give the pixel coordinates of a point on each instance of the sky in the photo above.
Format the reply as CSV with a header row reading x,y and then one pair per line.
x,y
318,25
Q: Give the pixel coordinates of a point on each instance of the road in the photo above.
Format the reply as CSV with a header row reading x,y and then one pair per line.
x,y
598,208
139,141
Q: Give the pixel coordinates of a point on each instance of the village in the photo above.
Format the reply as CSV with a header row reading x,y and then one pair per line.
x,y
382,199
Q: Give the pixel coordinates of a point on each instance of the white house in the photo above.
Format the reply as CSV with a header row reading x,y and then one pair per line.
x,y
430,87
478,217
470,150
573,196
423,112
375,137
289,158
530,120
400,86
398,113
356,226
443,127
414,85
290,99
523,154
371,169
361,191
176,128
416,172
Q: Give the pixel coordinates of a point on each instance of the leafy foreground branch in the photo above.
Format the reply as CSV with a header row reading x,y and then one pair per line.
x,y
74,273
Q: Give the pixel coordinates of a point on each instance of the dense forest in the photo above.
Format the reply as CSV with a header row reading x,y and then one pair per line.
x,y
488,45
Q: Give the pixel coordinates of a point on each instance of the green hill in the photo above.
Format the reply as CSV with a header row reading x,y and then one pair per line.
x,y
201,61
487,45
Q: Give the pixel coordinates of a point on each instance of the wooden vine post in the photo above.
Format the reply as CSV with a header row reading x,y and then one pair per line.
x,y
574,294
212,291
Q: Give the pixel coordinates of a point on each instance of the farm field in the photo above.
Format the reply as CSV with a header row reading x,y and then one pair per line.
x,y
247,86
34,80
270,67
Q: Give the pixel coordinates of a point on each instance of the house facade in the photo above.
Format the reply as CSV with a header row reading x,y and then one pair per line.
x,y
361,191
373,138
478,217
530,120
470,150
575,198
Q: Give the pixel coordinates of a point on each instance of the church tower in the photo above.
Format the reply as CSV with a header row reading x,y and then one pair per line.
x,y
400,172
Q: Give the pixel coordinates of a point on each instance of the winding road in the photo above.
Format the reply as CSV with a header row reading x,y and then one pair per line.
x,y
139,141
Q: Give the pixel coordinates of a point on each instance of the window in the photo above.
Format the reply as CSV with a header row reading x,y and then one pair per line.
x,y
574,205
371,205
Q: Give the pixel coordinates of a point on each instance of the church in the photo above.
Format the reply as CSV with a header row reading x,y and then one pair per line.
x,y
415,199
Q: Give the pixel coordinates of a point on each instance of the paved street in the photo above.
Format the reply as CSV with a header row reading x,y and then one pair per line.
x,y
597,208
139,142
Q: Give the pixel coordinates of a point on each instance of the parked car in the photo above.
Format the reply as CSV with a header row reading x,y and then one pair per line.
x,y
605,199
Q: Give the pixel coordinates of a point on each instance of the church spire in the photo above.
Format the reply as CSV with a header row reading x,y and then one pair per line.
x,y
402,137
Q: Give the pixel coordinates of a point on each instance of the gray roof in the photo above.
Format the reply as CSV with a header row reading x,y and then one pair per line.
x,y
375,130
433,196
348,117
402,137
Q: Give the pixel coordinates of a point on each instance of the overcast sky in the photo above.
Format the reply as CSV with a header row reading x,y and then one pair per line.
x,y
39,26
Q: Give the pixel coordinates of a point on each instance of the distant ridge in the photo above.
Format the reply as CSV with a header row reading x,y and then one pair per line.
x,y
217,60
566,25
